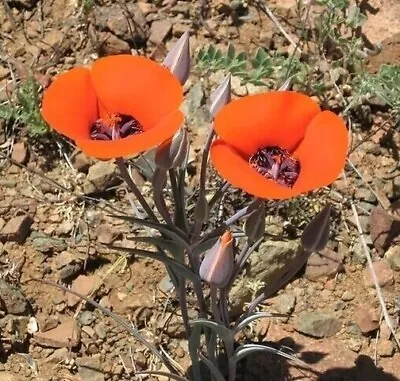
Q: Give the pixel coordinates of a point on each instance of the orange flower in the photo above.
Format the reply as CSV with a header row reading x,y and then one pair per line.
x,y
278,145
121,106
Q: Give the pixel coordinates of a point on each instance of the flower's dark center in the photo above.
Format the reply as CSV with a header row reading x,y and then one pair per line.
x,y
115,126
276,164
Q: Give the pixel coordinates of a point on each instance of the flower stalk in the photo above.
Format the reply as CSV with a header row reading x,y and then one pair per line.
x,y
134,189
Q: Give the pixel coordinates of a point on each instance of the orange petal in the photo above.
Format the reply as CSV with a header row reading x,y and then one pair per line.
x,y
136,86
322,153
134,144
70,103
236,170
277,118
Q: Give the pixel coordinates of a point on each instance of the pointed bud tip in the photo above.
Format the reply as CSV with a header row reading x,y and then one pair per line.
x,y
178,59
220,96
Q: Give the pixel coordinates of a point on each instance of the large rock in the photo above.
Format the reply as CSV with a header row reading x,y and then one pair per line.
x,y
269,265
159,30
367,318
65,335
46,244
89,368
384,23
324,264
17,229
384,274
318,324
102,175
393,257
384,230
84,285
12,301
127,23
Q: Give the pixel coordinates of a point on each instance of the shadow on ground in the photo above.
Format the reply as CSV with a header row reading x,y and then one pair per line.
x,y
261,366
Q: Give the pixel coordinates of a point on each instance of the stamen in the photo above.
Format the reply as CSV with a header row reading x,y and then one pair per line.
x,y
276,164
115,126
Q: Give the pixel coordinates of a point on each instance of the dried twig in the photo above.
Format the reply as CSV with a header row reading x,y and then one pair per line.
x,y
264,7
372,270
9,15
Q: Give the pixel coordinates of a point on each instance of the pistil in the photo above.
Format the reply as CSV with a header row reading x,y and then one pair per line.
x,y
115,126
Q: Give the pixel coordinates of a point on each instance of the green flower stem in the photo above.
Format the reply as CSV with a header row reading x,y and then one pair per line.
x,y
134,189
241,260
253,305
180,217
238,267
183,305
198,225
198,290
159,178
204,159
230,221
214,303
224,303
202,182
182,194
218,194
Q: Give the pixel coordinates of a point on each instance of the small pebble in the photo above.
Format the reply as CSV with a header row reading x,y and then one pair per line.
x,y
354,345
385,348
347,296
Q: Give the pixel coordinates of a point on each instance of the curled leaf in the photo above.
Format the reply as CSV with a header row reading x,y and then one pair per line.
x,y
254,226
316,234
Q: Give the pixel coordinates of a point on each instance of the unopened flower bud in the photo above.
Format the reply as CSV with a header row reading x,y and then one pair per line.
x,y
172,152
254,226
178,59
217,266
221,96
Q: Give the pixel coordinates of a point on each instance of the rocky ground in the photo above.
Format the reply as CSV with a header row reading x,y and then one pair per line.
x,y
54,213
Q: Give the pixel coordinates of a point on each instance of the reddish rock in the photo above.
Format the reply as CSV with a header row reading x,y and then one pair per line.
x,y
20,153
65,335
391,366
17,229
367,318
81,162
111,44
385,348
84,285
385,332
105,234
383,273
384,229
159,31
8,377
324,264
146,8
